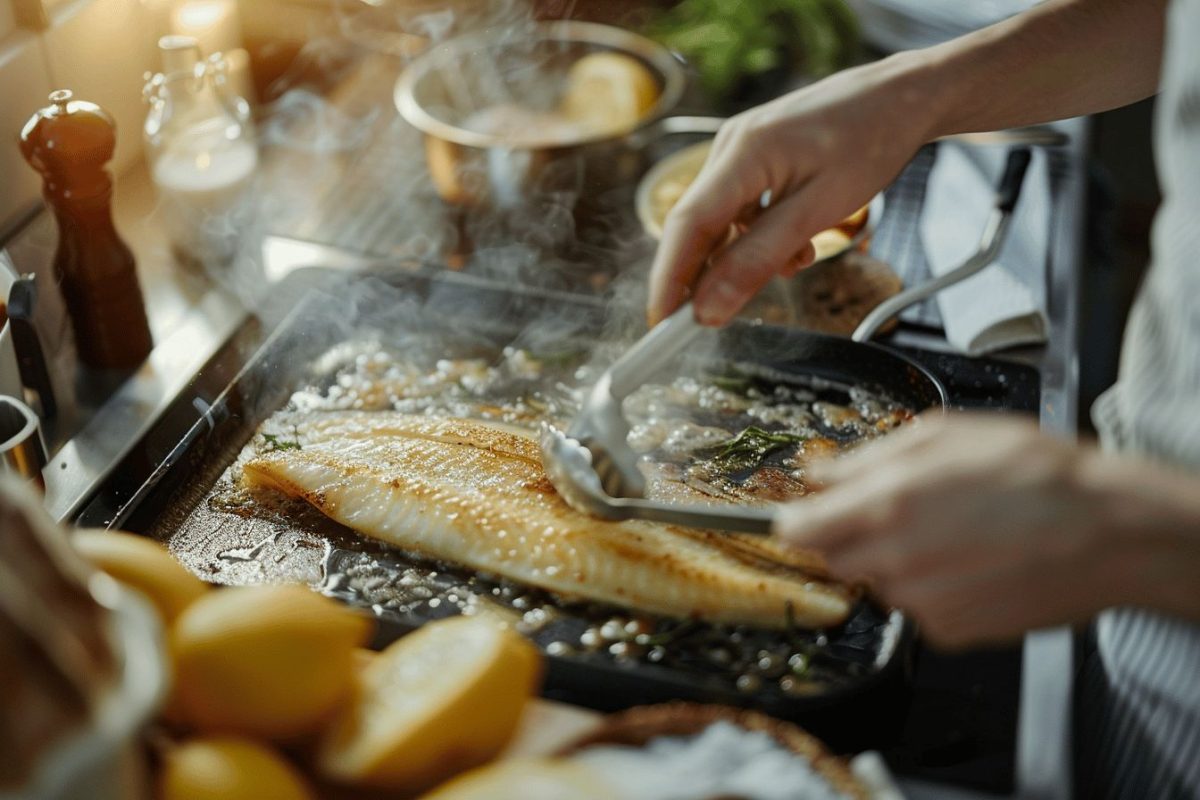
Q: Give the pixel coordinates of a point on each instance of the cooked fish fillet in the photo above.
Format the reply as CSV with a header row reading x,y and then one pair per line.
x,y
463,492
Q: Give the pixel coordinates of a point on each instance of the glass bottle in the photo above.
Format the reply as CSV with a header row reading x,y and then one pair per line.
x,y
200,146
69,142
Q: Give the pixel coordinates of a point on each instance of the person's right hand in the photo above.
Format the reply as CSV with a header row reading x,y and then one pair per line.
x,y
822,151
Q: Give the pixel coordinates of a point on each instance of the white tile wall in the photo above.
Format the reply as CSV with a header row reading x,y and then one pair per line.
x,y
100,50
8,20
97,48
24,84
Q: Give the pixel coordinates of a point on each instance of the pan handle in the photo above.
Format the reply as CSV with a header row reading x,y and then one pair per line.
x,y
1007,193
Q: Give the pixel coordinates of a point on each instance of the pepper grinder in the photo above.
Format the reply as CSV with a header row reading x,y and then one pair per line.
x,y
69,143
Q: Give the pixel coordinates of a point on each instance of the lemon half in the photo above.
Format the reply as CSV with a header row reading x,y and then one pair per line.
x,y
440,700
608,92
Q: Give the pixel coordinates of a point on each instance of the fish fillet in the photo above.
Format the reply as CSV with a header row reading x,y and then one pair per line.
x,y
463,492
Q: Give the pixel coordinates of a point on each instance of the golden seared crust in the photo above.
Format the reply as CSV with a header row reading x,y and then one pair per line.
x,y
638,726
467,493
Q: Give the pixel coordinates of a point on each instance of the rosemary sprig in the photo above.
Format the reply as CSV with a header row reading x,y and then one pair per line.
x,y
749,448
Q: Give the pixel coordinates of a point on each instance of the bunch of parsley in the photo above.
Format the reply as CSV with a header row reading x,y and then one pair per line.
x,y
730,43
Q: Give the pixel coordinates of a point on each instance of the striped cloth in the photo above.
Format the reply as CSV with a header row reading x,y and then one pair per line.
x,y
1139,735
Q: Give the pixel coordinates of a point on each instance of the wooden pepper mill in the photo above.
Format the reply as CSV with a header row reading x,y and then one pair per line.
x,y
69,142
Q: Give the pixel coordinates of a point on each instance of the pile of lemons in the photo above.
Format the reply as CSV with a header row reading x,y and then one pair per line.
x,y
266,678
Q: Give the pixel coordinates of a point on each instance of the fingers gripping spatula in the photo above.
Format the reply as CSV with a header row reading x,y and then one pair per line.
x,y
591,464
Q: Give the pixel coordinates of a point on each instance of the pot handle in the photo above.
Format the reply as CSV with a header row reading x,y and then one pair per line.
x,y
1007,192
672,126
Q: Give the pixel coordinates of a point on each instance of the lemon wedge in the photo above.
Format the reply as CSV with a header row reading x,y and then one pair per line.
x,y
440,700
270,661
608,93
144,566
525,779
829,243
226,768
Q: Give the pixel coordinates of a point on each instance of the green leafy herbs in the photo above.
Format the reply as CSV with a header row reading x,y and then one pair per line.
x,y
730,43
749,449
733,382
274,443
566,357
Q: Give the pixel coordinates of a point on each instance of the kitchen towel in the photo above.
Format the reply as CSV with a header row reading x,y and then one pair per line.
x,y
1005,304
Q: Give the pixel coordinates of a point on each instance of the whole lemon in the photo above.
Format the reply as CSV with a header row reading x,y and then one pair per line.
x,y
144,565
269,661
228,768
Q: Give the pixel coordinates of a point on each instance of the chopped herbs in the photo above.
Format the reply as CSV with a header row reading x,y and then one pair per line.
x,y
748,449
274,443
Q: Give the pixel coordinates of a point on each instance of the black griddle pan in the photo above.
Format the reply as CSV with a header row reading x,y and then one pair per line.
x,y
160,487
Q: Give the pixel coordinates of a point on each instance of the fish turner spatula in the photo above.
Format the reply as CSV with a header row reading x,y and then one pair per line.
x,y
591,464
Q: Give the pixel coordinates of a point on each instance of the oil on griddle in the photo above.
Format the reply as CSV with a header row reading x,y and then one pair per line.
x,y
735,432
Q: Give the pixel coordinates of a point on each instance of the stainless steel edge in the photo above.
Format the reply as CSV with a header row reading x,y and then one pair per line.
x,y
84,461
1044,733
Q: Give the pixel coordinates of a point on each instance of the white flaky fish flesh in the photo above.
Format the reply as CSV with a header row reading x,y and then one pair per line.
x,y
464,492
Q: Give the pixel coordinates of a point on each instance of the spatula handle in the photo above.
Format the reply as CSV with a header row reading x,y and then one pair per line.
x,y
655,352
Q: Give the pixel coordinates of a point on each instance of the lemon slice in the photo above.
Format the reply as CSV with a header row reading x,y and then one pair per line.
x,y
143,565
608,92
269,661
829,243
440,700
526,779
226,768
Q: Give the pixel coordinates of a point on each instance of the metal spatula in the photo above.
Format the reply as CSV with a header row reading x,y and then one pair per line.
x,y
591,464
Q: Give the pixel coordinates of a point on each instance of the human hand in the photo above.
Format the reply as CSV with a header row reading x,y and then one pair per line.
x,y
983,528
822,152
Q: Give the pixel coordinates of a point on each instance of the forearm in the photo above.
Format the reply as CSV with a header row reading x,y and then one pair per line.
x,y
1061,59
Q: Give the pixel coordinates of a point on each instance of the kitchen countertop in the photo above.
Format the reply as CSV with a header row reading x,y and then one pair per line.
x,y
191,316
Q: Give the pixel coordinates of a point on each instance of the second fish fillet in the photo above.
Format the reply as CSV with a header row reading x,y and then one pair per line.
x,y
460,491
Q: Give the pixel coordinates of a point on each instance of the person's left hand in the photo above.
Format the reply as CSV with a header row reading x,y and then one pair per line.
x,y
981,527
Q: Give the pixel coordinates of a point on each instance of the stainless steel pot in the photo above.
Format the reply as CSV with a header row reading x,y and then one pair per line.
x,y
442,88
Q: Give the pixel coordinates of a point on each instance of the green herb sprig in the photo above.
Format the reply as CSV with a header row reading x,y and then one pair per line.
x,y
729,42
749,449
274,443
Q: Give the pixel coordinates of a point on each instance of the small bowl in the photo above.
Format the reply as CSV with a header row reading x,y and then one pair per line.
x,y
831,243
